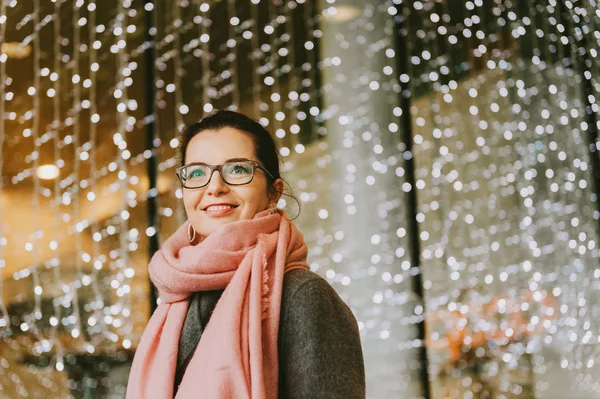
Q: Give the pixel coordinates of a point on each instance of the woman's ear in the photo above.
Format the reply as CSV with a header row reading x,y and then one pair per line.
x,y
277,190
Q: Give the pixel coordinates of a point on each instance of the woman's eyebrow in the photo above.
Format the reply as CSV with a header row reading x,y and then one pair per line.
x,y
228,160
237,159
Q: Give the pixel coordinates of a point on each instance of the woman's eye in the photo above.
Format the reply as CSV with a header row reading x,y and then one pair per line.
x,y
239,169
196,173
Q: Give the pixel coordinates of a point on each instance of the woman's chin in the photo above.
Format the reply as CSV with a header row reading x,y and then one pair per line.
x,y
212,225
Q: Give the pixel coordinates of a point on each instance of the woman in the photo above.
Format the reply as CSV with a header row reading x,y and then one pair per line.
x,y
276,329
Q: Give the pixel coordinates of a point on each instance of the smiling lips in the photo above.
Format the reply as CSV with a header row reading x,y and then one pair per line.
x,y
219,209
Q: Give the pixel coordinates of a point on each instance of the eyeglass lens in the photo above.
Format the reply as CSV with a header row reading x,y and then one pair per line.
x,y
231,173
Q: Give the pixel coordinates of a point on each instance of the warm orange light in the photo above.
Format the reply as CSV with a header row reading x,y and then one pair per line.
x,y
47,172
15,50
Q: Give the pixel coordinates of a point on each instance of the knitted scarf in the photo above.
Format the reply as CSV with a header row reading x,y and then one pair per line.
x,y
237,353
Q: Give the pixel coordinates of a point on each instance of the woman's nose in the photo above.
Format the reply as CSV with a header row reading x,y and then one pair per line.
x,y
216,185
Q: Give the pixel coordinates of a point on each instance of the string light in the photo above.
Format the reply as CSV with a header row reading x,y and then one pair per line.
x,y
55,262
5,322
76,331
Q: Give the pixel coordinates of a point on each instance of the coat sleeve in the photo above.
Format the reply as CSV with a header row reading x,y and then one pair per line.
x,y
320,354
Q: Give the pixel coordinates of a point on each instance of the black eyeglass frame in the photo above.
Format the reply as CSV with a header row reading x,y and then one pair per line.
x,y
255,165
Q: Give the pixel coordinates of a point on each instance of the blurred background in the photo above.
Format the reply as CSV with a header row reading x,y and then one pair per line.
x,y
445,153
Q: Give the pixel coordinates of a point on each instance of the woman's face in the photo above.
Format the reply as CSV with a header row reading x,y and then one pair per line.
x,y
215,147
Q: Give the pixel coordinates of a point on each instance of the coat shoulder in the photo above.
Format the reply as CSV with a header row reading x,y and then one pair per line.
x,y
297,277
299,282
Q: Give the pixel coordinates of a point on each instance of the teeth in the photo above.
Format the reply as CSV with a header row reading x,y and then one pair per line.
x,y
219,207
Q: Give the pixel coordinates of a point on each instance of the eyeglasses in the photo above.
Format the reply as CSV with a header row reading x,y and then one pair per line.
x,y
234,173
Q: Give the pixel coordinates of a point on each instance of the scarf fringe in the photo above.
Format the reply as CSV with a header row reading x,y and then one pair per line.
x,y
264,301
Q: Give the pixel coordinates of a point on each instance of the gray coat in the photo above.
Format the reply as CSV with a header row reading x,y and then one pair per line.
x,y
320,354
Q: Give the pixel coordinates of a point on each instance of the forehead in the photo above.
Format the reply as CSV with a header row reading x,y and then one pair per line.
x,y
217,146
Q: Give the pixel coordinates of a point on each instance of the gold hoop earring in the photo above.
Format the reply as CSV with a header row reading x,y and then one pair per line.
x,y
273,208
191,233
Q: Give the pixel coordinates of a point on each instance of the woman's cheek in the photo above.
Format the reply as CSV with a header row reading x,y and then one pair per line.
x,y
190,203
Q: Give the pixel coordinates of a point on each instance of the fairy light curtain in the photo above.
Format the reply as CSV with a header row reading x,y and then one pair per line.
x,y
443,152
504,124
72,214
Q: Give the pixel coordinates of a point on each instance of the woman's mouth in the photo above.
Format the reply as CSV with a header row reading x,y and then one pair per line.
x,y
220,210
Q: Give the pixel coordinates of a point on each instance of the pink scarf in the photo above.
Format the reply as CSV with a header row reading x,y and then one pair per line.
x,y
237,353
